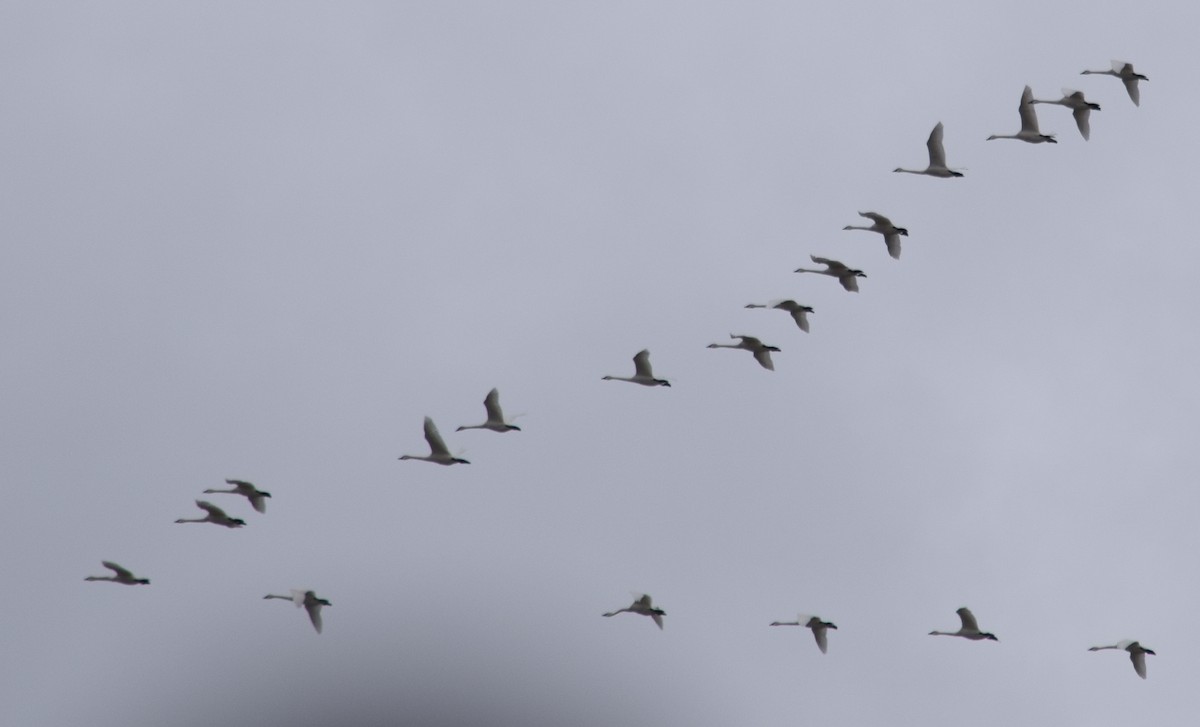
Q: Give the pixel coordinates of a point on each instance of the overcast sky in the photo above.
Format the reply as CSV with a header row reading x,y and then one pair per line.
x,y
264,240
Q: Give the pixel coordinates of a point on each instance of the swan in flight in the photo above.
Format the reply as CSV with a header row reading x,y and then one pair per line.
x,y
215,515
310,602
799,312
642,605
1124,71
1080,107
818,627
438,452
846,276
937,157
970,628
761,351
495,416
1029,125
1137,654
643,374
257,498
882,225
122,575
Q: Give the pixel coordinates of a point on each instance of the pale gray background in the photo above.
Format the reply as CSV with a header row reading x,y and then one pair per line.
x,y
263,240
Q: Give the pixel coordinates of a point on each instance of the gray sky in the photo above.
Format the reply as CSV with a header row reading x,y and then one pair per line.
x,y
264,240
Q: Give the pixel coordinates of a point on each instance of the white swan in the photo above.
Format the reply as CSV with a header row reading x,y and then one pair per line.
x,y
799,312
643,374
937,157
882,225
1029,124
310,602
1080,107
122,575
643,606
847,276
1124,71
818,627
495,416
438,452
970,628
257,498
215,515
1137,654
761,351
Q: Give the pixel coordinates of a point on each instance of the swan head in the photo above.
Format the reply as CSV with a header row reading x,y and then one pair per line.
x,y
897,169
606,378
181,520
713,345
848,227
993,136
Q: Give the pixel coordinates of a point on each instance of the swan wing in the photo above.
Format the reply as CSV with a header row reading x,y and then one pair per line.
x,y
641,364
1082,114
819,635
644,601
1028,114
1139,662
763,357
657,620
892,240
877,218
492,404
314,614
937,153
1131,85
801,317
835,267
436,445
211,509
240,484
849,281
968,619
121,572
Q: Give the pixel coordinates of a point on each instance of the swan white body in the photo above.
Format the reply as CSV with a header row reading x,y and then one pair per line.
x,y
120,575
1080,107
882,225
846,275
257,498
1124,71
761,351
438,451
799,312
818,627
644,607
1029,123
309,601
970,628
495,416
1137,654
937,157
643,374
215,515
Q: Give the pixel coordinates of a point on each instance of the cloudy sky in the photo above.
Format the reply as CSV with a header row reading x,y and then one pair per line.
x,y
264,240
